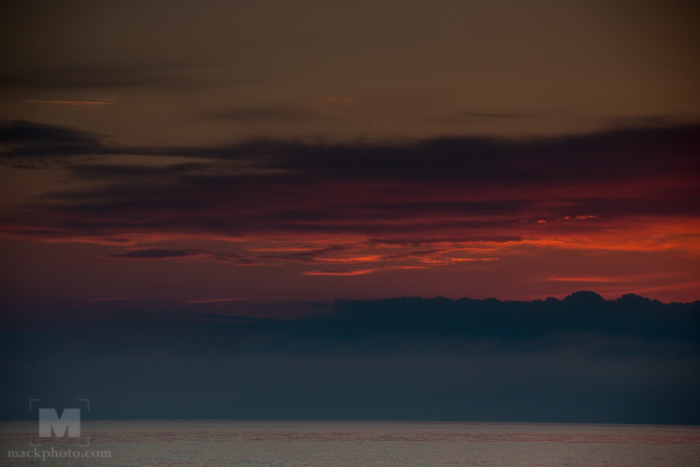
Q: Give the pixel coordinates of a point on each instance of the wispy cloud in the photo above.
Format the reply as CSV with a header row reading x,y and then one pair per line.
x,y
90,105
584,279
156,253
348,260
349,272
216,300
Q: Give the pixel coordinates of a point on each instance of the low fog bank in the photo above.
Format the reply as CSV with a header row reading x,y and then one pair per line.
x,y
581,359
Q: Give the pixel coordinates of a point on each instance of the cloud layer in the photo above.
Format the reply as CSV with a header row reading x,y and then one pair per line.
x,y
354,209
435,188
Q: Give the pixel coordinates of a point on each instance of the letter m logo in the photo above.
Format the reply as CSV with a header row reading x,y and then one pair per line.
x,y
68,423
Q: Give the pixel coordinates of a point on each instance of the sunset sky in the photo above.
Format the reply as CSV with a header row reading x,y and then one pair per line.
x,y
305,210
246,152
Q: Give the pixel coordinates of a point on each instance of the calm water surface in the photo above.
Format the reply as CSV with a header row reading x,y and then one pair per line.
x,y
256,443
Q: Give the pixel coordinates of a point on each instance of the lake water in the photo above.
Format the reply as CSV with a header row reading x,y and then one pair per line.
x,y
286,443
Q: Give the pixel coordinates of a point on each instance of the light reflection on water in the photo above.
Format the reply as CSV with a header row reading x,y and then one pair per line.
x,y
361,444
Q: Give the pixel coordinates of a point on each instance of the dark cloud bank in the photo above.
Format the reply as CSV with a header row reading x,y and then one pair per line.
x,y
439,187
581,359
621,154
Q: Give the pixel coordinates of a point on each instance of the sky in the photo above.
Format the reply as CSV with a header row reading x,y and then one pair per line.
x,y
315,150
168,161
